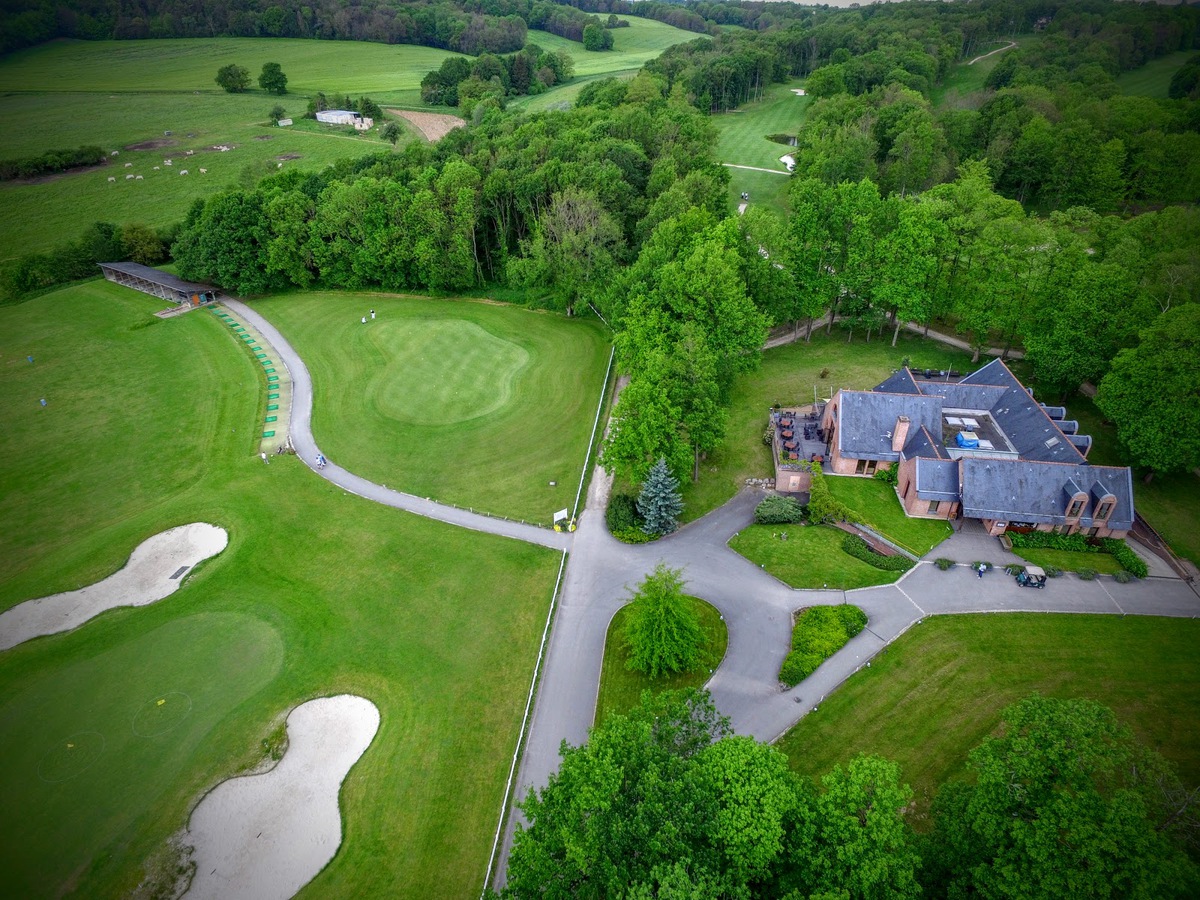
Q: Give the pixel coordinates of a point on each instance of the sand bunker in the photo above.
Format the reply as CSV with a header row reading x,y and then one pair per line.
x,y
433,126
155,570
266,836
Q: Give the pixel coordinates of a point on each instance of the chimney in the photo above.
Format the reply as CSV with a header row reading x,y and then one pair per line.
x,y
900,435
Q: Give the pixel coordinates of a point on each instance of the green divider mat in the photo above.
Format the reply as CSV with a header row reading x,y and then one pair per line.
x,y
259,355
268,434
272,419
272,396
267,362
272,406
272,378
268,371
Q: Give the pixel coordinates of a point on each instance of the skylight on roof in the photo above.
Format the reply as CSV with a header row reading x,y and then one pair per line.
x,y
970,423
1052,442
986,445
954,420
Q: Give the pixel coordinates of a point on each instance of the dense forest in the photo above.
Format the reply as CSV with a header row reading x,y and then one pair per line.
x,y
1046,212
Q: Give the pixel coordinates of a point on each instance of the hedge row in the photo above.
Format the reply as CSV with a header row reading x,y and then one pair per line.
x,y
820,632
1081,543
860,549
49,162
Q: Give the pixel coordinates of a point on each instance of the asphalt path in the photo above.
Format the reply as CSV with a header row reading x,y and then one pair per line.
x,y
601,573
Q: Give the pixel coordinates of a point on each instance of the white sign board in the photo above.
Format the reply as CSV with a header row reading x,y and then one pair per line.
x,y
283,123
561,514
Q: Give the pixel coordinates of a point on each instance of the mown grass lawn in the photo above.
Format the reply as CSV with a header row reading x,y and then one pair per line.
x,y
809,557
473,403
742,134
1154,78
877,506
1070,560
150,424
621,688
935,693
1171,503
788,375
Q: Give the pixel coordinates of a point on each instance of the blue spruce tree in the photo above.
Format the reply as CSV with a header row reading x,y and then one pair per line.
x,y
659,503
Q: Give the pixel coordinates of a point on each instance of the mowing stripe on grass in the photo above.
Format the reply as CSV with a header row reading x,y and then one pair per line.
x,y
512,769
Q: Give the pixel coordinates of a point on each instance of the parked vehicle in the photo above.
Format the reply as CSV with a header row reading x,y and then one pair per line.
x,y
1032,577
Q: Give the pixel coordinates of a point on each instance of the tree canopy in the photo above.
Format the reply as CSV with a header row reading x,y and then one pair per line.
x,y
663,632
233,79
272,79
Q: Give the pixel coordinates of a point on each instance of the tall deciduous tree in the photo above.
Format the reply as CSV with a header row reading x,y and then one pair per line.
x,y
233,79
272,79
663,632
1065,803
1153,393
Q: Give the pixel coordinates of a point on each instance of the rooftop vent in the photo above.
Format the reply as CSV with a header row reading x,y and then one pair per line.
x,y
1052,442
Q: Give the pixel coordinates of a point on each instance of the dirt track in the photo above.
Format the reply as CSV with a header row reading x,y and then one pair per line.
x,y
433,126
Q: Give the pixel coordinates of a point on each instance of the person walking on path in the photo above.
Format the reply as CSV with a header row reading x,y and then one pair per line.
x,y
979,572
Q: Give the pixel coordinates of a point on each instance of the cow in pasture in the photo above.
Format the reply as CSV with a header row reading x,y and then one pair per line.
x,y
128,177
183,171
204,171
129,165
111,179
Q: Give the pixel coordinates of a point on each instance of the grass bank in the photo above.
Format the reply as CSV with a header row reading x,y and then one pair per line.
x,y
938,690
877,506
807,556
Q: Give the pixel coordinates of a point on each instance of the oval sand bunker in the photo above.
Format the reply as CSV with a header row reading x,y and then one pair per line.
x,y
266,836
155,570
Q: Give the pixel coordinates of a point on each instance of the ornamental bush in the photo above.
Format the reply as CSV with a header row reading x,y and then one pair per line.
x,y
860,549
777,510
662,629
1123,553
622,513
887,476
819,632
1087,574
945,563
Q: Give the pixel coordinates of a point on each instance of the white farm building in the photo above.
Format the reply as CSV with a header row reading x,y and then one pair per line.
x,y
345,117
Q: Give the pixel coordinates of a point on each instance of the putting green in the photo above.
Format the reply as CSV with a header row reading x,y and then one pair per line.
x,y
442,371
81,735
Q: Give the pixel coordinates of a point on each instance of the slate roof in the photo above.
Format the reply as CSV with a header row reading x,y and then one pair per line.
x,y
156,276
866,420
937,479
1037,487
1031,491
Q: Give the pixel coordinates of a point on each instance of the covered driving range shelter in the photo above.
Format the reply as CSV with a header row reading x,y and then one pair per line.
x,y
158,283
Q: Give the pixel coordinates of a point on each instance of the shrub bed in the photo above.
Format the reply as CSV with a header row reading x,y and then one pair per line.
x,y
777,510
819,632
1130,561
860,549
622,513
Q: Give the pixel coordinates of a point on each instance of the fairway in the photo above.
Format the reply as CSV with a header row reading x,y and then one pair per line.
x,y
742,139
149,424
1154,78
473,403
937,692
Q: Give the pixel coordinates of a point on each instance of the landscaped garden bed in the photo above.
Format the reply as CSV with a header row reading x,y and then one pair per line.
x,y
1072,552
817,634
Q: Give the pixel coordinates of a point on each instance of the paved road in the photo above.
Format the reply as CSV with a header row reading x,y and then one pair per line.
x,y
757,608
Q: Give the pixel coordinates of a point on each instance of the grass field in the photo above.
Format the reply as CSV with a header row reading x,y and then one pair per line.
x,y
121,93
811,557
621,688
472,403
938,690
963,85
150,424
788,375
1070,561
877,506
1171,503
742,140
1154,78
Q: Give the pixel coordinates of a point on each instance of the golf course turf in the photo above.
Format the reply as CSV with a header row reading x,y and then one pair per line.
x,y
149,424
471,403
938,691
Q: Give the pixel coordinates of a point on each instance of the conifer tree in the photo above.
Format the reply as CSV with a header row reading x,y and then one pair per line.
x,y
659,503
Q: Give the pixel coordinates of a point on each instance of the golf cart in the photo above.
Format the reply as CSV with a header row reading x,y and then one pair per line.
x,y
1032,577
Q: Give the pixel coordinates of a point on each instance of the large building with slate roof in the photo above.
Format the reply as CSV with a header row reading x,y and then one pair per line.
x,y
980,447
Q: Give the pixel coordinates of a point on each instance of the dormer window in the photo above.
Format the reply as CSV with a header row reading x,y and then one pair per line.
x,y
1103,510
1075,508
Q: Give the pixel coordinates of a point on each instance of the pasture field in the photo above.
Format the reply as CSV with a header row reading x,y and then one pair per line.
x,y
1154,78
788,375
471,403
150,424
938,691
120,94
809,557
621,688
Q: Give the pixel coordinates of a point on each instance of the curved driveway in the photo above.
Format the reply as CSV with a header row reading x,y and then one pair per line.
x,y
757,608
